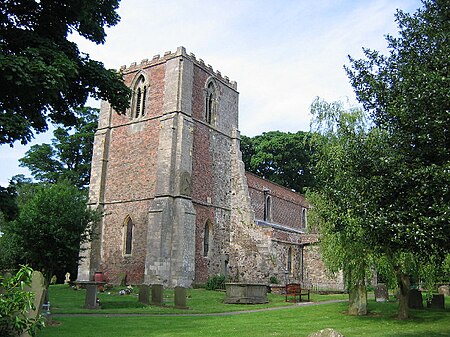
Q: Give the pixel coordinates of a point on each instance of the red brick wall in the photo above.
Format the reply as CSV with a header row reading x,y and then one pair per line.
x,y
131,176
286,204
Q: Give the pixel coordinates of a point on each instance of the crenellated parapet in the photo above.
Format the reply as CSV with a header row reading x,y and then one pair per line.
x,y
180,52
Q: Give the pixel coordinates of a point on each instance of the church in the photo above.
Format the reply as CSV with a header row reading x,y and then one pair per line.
x,y
178,205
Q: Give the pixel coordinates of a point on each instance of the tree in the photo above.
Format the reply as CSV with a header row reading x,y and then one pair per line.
x,y
69,155
408,96
283,158
43,75
339,212
50,227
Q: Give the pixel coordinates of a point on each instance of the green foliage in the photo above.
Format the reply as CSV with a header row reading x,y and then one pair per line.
x,y
15,303
283,158
273,280
215,282
44,76
408,95
69,155
52,223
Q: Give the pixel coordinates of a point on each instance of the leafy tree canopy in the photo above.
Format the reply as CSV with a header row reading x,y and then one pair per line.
x,y
43,75
283,158
51,224
408,96
69,155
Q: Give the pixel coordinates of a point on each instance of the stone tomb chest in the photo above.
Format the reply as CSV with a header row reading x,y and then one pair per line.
x,y
246,293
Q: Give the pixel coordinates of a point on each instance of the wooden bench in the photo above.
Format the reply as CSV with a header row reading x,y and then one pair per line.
x,y
294,292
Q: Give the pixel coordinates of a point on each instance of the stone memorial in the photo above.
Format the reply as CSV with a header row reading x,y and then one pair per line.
x,y
157,294
38,288
381,293
437,302
246,293
415,300
180,298
144,294
67,279
444,290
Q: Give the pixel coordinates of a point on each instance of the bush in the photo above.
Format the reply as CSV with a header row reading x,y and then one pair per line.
x,y
15,303
273,280
216,282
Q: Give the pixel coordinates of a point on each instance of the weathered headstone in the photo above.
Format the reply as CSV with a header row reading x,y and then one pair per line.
x,y
326,333
415,300
180,297
444,290
157,294
38,288
381,293
144,294
437,302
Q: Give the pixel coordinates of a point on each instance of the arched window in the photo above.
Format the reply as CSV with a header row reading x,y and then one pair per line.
x,y
304,222
207,239
289,260
139,97
268,208
128,229
210,102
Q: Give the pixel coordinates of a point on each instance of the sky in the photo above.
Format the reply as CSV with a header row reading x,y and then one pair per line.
x,y
282,54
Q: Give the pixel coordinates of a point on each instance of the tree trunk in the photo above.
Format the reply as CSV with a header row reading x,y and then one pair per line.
x,y
357,300
403,294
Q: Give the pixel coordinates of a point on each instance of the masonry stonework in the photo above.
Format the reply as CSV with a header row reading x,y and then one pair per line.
x,y
178,205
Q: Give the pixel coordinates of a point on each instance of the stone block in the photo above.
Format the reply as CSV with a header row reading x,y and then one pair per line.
x,y
381,293
246,293
180,298
144,294
437,302
157,294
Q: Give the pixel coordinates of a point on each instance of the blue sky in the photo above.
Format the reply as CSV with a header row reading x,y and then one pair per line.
x,y
281,53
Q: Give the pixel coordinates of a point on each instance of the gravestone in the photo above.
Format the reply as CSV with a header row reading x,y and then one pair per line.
x,y
444,290
381,293
437,302
157,294
415,300
144,294
326,333
67,280
37,287
180,298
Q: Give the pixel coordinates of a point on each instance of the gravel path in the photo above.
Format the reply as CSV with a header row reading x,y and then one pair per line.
x,y
230,313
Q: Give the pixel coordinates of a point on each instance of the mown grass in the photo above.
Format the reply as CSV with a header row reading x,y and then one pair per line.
x,y
65,300
295,321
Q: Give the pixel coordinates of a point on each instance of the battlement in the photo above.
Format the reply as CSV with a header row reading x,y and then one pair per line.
x,y
181,51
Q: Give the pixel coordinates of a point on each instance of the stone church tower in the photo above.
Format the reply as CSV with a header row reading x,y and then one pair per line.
x,y
178,205
163,173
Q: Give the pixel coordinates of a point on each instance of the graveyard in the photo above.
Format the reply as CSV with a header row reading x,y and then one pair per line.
x,y
208,315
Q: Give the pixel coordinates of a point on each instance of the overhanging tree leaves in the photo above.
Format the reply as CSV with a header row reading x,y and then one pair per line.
x,y
43,75
69,155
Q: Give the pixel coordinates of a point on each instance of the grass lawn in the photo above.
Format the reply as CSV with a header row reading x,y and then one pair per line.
x,y
295,321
